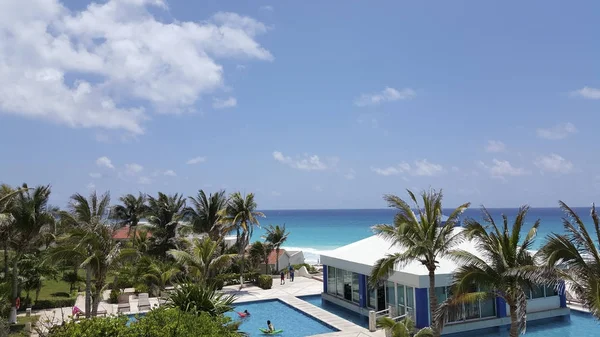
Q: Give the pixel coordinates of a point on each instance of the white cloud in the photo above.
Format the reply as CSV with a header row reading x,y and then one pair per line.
x,y
386,95
133,169
112,63
502,168
495,146
196,160
560,131
350,175
219,103
104,162
267,8
420,168
96,175
305,162
170,173
587,92
90,186
144,181
240,67
554,163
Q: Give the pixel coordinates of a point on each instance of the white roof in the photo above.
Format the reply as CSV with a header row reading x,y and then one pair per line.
x,y
367,251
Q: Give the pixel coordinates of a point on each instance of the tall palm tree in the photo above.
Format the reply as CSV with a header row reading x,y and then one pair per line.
x,y
7,196
276,236
503,255
403,328
577,250
31,220
259,252
164,214
202,259
205,215
157,274
241,214
84,215
131,211
423,235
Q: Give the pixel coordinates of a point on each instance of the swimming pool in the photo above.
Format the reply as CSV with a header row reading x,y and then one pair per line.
x,y
294,323
335,309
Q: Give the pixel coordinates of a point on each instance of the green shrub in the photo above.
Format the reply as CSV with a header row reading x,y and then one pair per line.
x,y
192,297
218,283
157,323
57,303
141,288
311,269
114,296
232,279
265,281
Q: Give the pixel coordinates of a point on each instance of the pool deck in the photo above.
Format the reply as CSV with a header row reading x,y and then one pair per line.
x,y
288,293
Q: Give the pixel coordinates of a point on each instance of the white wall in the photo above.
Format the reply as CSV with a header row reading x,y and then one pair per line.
x,y
297,258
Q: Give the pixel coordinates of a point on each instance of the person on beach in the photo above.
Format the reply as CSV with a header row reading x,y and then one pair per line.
x,y
290,271
282,278
269,325
292,274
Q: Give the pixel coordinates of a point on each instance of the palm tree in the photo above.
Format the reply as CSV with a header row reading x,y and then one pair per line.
x,y
259,252
423,235
7,195
576,250
205,215
31,220
196,298
157,274
202,259
131,211
164,214
496,272
403,328
84,215
241,213
276,236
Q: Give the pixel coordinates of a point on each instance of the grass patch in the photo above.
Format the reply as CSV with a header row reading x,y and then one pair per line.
x,y
54,290
18,330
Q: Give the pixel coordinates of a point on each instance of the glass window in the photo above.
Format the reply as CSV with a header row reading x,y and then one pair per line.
x,y
331,280
400,292
339,280
390,293
537,292
488,308
355,294
551,291
441,294
347,285
372,300
410,297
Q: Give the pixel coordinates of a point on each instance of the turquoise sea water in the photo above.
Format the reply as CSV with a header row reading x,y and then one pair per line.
x,y
314,231
294,323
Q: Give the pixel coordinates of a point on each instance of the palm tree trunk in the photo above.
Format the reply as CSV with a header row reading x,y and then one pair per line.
x,y
277,258
433,302
12,319
514,321
88,290
97,296
242,253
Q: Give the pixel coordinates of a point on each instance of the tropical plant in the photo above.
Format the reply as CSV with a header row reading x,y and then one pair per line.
x,y
164,214
502,255
205,214
156,273
423,235
131,211
403,328
196,298
574,257
202,259
276,236
242,215
32,219
35,270
259,253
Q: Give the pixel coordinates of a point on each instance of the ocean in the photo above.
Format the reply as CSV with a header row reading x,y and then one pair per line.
x,y
316,231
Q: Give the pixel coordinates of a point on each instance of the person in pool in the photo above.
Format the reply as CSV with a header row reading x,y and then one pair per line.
x,y
270,326
246,313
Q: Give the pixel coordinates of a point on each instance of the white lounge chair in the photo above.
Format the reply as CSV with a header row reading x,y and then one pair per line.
x,y
123,303
143,302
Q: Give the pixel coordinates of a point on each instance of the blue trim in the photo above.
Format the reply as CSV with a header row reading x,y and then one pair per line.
x,y
421,308
500,307
562,294
362,290
324,278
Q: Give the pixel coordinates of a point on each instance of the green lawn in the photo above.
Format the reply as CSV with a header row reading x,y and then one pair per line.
x,y
18,330
54,289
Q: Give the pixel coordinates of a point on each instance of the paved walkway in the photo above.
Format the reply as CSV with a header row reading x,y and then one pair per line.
x,y
288,293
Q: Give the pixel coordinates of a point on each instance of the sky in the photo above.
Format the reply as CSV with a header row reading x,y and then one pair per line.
x,y
307,104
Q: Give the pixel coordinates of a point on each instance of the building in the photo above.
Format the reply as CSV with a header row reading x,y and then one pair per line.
x,y
346,273
286,258
125,233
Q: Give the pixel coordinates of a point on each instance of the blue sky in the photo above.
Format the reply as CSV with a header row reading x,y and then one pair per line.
x,y
306,104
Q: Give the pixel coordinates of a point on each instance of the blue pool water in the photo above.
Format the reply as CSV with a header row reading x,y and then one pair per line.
x,y
293,322
335,309
133,318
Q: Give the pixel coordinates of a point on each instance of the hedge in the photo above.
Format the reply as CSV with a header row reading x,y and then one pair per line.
x,y
231,279
265,281
49,304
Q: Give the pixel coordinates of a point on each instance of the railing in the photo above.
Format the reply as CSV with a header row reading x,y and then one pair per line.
x,y
389,312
